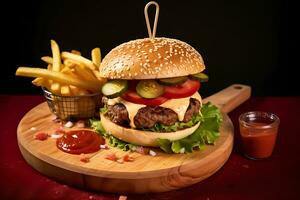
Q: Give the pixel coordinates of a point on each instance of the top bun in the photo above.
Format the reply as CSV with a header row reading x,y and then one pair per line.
x,y
150,59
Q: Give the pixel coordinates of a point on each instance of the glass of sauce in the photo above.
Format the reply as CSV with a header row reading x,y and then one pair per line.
x,y
258,132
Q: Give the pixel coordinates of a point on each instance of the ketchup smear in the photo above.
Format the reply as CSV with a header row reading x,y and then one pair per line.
x,y
80,141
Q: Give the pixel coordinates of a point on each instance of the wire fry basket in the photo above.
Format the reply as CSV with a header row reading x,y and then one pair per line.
x,y
73,107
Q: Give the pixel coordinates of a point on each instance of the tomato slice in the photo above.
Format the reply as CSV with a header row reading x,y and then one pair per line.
x,y
133,97
186,89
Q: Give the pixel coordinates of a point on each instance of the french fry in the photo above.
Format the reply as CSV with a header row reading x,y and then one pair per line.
x,y
58,77
56,65
67,73
71,72
67,70
41,82
97,74
76,91
96,56
94,74
38,81
76,52
65,90
49,67
85,73
69,63
72,63
55,56
47,59
83,92
55,88
78,58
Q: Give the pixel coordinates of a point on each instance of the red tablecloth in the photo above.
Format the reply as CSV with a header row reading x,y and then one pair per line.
x,y
274,178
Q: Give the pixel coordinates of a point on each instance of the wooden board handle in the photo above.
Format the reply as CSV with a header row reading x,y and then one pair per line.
x,y
230,97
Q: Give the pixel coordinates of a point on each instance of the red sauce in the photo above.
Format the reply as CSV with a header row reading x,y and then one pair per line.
x,y
257,141
41,136
80,141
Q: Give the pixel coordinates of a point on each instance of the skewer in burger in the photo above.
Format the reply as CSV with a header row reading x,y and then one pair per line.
x,y
152,94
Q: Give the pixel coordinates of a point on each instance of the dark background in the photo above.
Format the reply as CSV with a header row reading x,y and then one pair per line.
x,y
241,41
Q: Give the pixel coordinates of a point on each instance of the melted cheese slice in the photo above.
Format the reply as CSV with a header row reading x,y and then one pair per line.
x,y
177,105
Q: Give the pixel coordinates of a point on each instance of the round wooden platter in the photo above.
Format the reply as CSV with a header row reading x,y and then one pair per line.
x,y
163,172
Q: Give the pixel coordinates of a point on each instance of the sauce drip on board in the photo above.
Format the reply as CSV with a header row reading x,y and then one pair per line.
x,y
80,141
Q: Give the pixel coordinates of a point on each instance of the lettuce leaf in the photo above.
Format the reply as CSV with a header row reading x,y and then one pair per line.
x,y
112,141
104,109
207,133
97,126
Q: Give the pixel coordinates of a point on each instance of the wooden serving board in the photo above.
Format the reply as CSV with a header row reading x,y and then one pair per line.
x,y
163,172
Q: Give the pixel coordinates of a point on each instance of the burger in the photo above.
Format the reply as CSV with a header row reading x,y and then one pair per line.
x,y
151,96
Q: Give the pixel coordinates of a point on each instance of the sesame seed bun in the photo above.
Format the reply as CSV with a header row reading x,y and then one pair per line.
x,y
151,59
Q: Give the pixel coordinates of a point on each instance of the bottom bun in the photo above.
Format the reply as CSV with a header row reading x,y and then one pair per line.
x,y
143,138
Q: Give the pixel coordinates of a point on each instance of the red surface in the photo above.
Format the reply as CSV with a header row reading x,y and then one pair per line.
x,y
274,178
186,89
80,141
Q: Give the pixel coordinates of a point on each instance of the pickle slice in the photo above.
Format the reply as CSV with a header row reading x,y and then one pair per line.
x,y
173,81
200,77
149,89
114,88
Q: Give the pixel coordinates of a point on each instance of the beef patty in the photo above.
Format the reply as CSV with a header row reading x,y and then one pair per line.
x,y
148,116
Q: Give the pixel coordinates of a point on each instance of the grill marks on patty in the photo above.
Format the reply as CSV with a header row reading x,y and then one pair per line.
x,y
118,114
148,116
192,110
